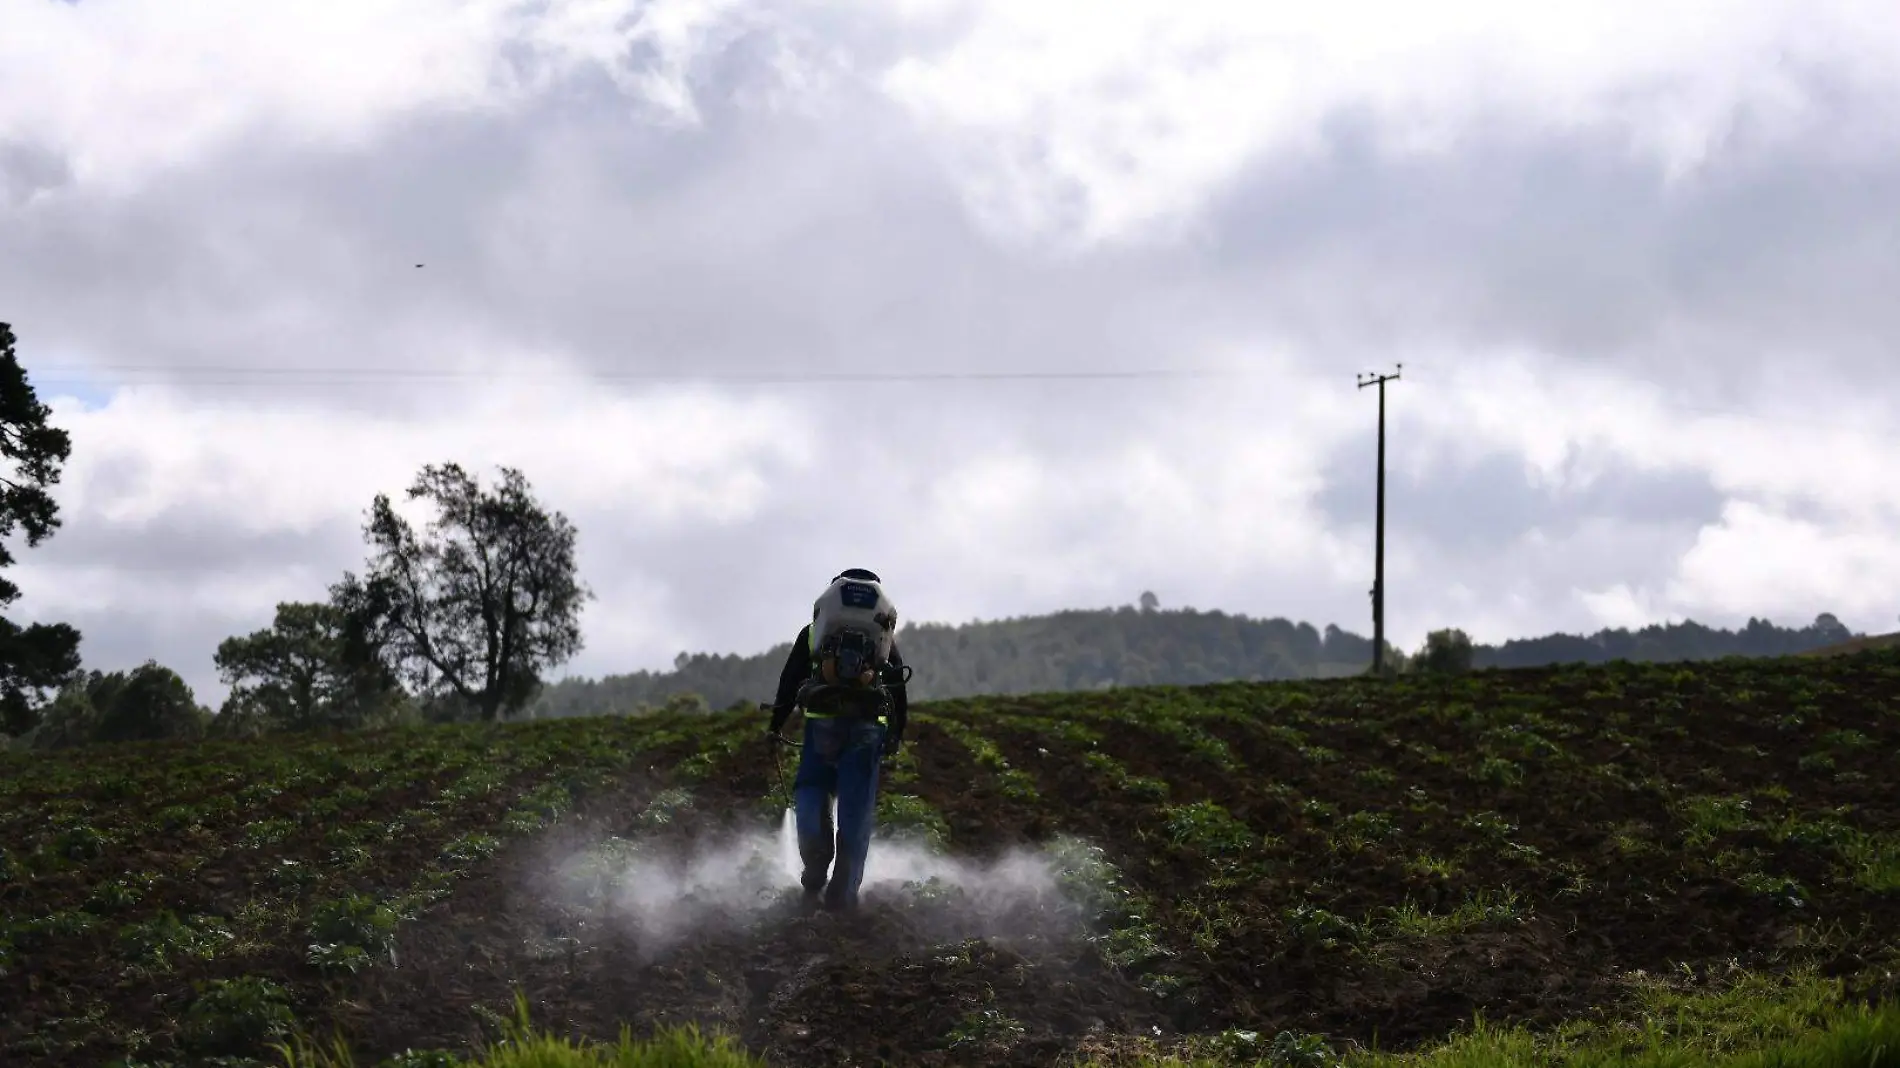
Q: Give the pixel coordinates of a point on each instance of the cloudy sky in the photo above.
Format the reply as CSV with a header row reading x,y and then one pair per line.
x,y
741,286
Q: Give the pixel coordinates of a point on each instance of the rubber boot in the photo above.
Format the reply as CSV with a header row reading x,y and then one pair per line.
x,y
815,854
838,896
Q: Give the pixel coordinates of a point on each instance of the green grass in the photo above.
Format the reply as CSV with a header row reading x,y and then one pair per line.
x,y
521,1046
1749,1020
1486,908
1752,1022
1760,1022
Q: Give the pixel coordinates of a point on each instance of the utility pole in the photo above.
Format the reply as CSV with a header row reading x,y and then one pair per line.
x,y
1378,538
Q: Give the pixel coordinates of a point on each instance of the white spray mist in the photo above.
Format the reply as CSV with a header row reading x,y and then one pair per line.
x,y
666,896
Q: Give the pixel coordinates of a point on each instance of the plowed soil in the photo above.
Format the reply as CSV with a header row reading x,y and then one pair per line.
x,y
1372,862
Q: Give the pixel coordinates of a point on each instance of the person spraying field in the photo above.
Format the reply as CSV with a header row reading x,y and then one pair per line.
x,y
845,673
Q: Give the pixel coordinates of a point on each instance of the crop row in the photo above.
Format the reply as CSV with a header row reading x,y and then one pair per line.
x,y
289,878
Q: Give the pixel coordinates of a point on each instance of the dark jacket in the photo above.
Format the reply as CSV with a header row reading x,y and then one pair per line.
x,y
798,668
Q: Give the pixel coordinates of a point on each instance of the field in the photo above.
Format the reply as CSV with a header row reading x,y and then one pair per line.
x,y
1628,857
1872,641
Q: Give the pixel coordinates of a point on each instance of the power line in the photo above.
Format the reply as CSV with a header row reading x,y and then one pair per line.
x,y
238,375
245,375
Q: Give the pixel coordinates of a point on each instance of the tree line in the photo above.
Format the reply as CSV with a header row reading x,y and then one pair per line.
x,y
1138,646
463,618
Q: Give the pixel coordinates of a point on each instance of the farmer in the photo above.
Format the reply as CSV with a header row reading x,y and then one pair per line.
x,y
844,671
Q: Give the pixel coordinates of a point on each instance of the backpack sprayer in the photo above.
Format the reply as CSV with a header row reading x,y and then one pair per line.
x,y
863,696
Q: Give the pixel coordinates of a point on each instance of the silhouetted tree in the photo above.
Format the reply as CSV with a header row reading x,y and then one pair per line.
x,y
41,656
147,703
474,610
303,673
69,719
1446,652
1832,629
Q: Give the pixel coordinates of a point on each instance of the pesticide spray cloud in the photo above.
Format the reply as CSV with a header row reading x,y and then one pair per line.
x,y
661,890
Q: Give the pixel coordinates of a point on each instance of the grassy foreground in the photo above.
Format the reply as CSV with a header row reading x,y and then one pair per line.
x,y
1655,864
1801,1022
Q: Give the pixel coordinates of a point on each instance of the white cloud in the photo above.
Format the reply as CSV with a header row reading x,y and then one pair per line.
x,y
1568,421
1758,556
681,457
1110,120
1569,424
1106,117
249,182
123,88
1622,606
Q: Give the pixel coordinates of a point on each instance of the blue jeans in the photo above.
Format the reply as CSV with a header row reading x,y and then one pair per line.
x,y
840,757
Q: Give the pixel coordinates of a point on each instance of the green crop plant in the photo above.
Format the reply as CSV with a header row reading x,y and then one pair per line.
x,y
1196,741
906,814
1487,908
118,895
351,933
1126,938
1285,734
1208,829
1498,771
235,1017
266,833
478,783
40,931
1317,927
1491,826
1319,754
1133,944
1708,818
986,1028
594,878
664,809
1318,811
537,808
1118,777
81,842
1209,925
1847,739
1365,828
1872,861
1070,732
1375,778
470,848
1429,866
164,941
1013,782
901,770
429,886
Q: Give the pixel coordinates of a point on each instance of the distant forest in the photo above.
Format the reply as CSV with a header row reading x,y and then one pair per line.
x,y
1130,646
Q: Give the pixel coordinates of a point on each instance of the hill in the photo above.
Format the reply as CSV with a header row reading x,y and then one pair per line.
x,y
1104,648
1872,641
1705,856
